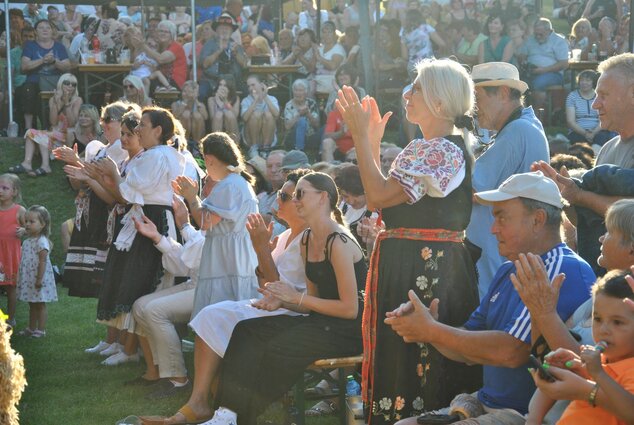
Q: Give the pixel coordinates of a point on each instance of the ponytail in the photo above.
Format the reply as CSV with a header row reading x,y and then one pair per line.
x,y
339,216
248,177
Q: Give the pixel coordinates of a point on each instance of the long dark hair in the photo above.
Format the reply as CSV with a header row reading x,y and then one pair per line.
x,y
163,118
222,146
325,183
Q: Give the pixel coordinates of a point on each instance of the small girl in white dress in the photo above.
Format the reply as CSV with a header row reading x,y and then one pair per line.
x,y
36,281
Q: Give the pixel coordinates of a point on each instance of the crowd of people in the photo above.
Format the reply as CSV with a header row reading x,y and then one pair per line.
x,y
447,263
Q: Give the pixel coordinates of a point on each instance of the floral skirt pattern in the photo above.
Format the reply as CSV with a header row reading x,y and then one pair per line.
x,y
408,379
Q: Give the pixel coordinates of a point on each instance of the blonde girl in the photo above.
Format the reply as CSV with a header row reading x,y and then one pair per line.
x,y
36,282
11,223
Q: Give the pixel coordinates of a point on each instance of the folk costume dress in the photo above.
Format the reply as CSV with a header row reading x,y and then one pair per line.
x,y
266,356
422,249
88,248
133,267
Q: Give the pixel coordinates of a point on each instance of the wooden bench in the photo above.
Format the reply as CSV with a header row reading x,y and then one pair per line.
x,y
165,99
320,369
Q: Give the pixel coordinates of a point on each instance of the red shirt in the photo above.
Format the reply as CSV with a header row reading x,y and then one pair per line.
x,y
334,122
176,70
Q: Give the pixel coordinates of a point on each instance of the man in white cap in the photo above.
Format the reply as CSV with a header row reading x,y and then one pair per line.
x,y
519,142
498,335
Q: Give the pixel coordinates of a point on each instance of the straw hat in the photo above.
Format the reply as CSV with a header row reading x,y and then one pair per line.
x,y
259,164
493,74
225,19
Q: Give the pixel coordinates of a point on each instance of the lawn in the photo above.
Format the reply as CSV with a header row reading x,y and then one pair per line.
x,y
65,385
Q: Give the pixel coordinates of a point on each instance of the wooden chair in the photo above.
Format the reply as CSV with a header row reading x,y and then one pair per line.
x,y
321,369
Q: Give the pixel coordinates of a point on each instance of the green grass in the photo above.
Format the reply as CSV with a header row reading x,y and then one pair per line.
x,y
65,385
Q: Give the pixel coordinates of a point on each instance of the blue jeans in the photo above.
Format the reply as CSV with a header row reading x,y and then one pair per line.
x,y
540,82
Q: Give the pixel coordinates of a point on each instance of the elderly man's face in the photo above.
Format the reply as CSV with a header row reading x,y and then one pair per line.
x,y
489,108
614,100
514,228
273,169
541,34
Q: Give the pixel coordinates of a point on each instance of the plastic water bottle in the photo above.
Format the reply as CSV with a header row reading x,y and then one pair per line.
x,y
352,387
12,129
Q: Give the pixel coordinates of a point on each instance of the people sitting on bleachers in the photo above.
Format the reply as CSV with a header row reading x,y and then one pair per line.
x,y
328,56
301,120
191,112
224,107
497,47
259,111
134,91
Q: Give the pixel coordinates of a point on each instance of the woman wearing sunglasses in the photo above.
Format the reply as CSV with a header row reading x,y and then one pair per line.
x,y
266,356
134,91
64,108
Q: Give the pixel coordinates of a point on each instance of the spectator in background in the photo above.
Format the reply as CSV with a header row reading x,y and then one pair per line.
x,y
19,78
388,155
169,55
545,54
351,15
336,14
303,54
595,10
308,16
259,111
418,37
582,119
580,36
134,91
33,14
507,10
224,108
605,43
497,47
264,25
469,45
43,62
328,56
64,108
181,19
515,31
191,112
285,44
82,42
390,56
622,39
204,33
64,32
72,17
221,56
301,120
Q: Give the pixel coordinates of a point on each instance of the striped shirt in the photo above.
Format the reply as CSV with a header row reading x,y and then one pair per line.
x,y
502,310
585,116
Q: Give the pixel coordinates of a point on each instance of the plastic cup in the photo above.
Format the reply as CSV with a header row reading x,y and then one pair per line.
x,y
576,54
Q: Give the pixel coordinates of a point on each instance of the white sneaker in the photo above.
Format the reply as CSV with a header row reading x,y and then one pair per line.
x,y
119,358
114,348
223,416
97,348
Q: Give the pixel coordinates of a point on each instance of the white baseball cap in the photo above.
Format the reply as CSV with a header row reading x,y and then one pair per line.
x,y
534,186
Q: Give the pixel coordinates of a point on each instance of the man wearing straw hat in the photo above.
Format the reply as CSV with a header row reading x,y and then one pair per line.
x,y
520,141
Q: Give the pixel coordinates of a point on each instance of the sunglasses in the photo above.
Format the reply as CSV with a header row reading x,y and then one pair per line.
x,y
109,119
69,83
129,86
284,197
299,193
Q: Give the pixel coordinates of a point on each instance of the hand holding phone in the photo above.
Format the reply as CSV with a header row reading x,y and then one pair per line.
x,y
543,373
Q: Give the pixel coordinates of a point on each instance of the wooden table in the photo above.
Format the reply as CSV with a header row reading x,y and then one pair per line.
x,y
282,75
578,66
95,75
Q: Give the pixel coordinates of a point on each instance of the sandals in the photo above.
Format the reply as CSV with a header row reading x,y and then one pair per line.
x,y
187,412
323,408
39,172
19,169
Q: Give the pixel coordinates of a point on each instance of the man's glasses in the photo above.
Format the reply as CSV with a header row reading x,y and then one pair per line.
x,y
69,83
284,197
299,193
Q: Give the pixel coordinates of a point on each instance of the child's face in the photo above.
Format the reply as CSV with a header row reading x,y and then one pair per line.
x,y
613,322
152,43
7,191
33,224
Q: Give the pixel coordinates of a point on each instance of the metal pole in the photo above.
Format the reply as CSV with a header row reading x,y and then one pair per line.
x,y
318,29
630,37
194,59
9,73
366,44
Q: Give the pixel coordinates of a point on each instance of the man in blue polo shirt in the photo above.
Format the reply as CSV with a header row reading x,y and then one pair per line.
x,y
527,210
